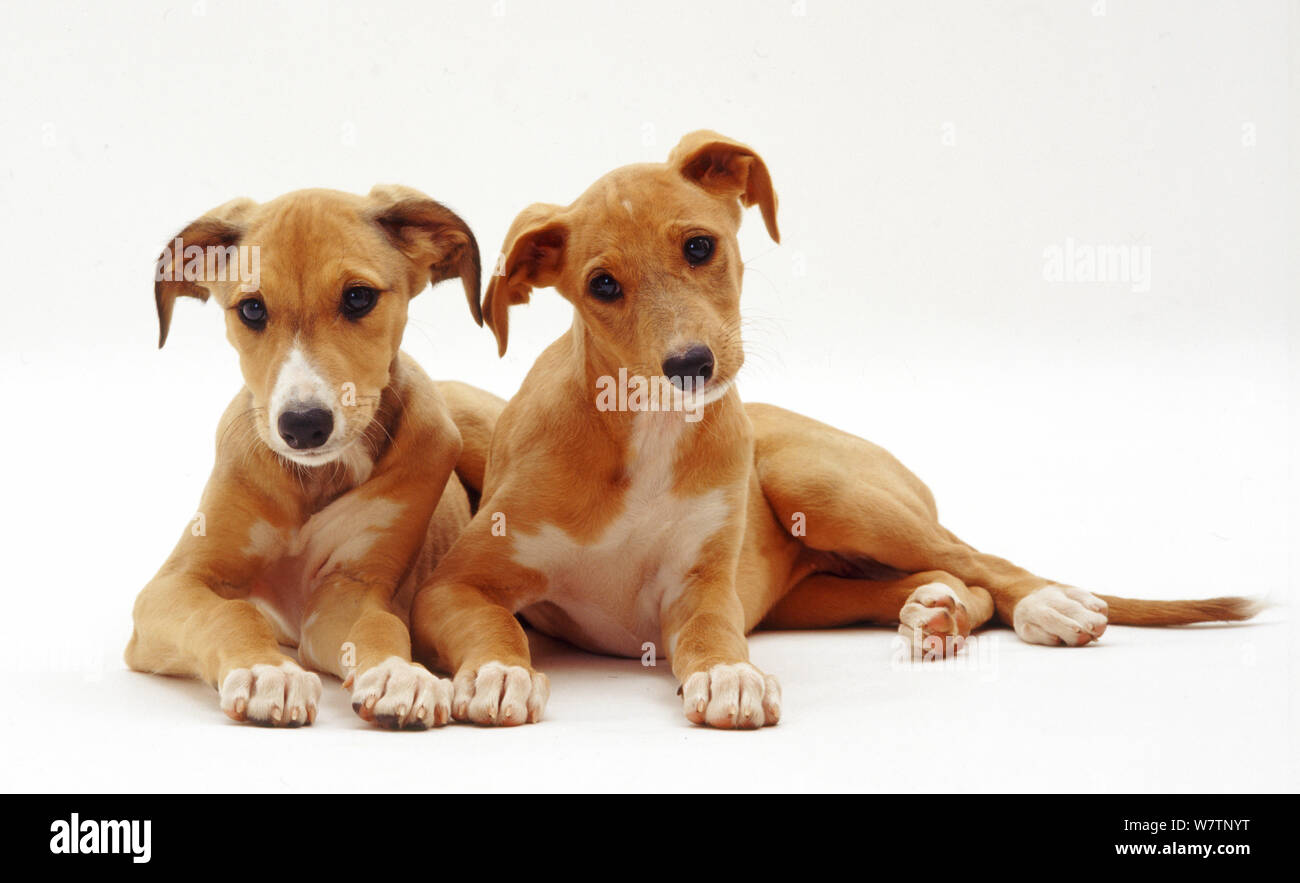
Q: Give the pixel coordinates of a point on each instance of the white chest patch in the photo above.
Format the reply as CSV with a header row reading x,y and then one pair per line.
x,y
607,595
297,560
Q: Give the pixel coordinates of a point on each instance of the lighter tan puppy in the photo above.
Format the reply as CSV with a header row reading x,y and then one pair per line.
x,y
675,518
333,492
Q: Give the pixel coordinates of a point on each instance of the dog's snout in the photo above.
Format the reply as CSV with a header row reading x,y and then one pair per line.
x,y
695,363
303,430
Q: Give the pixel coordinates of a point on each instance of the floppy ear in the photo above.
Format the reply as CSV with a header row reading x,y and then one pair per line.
x,y
728,169
174,275
434,238
532,257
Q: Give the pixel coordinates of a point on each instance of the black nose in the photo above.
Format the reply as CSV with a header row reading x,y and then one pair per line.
x,y
696,362
306,429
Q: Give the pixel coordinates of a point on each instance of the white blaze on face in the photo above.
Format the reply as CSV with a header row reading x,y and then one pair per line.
x,y
299,387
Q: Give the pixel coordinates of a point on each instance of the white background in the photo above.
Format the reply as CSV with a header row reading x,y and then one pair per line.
x,y
1133,442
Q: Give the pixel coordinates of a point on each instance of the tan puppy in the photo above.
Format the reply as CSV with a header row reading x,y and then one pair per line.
x,y
624,525
333,492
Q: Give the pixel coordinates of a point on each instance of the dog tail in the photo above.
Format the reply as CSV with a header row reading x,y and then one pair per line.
x,y
1129,611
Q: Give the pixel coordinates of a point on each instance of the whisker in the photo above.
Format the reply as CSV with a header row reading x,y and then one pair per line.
x,y
760,256
241,424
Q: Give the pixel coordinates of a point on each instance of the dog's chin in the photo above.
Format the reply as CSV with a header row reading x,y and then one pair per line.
x,y
715,389
322,456
701,396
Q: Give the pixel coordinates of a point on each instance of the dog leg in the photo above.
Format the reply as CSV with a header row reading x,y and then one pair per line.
x,y
352,626
462,621
704,629
853,498
194,618
182,627
469,633
351,631
934,610
931,608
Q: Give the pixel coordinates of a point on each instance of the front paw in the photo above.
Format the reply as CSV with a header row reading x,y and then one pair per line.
x,y
283,695
733,696
500,695
400,695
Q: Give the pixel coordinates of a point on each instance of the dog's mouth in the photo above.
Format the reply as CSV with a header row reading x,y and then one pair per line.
x,y
696,392
688,385
328,453
697,383
713,389
315,457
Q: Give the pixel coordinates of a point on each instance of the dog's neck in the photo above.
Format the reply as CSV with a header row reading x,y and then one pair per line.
x,y
720,423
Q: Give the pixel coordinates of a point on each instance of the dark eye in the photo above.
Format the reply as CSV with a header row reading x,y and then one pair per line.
x,y
358,300
605,287
253,313
698,249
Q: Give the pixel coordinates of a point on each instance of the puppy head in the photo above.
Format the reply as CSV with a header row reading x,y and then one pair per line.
x,y
648,256
315,287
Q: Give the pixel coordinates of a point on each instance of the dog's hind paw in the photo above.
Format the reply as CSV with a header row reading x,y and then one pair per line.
x,y
1060,615
283,695
732,697
934,621
401,695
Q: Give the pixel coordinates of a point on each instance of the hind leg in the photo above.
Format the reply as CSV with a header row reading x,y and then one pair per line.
x,y
853,498
934,610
